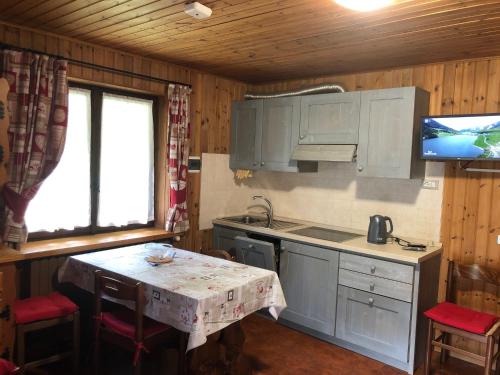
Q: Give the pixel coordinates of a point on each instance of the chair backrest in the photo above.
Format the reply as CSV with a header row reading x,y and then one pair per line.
x,y
119,290
223,254
479,275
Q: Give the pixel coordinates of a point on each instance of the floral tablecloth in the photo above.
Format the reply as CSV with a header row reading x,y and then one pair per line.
x,y
195,293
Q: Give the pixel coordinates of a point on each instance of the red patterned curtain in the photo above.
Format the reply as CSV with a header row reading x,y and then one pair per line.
x,y
38,112
179,130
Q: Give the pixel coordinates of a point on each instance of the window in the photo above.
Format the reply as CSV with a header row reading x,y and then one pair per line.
x,y
105,178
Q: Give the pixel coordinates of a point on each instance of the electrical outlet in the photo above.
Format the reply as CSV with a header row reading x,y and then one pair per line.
x,y
498,239
430,184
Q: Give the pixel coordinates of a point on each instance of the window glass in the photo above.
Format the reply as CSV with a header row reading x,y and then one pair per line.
x,y
63,200
127,168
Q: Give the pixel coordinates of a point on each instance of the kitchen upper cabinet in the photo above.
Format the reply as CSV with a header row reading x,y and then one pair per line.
x,y
330,118
389,133
309,277
245,140
264,134
279,135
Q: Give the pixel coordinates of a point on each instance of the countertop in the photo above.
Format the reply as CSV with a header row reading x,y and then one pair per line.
x,y
359,245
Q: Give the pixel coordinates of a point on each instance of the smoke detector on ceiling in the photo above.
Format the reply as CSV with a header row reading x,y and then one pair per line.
x,y
197,10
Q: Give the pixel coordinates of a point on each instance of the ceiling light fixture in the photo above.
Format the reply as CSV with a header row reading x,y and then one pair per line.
x,y
364,5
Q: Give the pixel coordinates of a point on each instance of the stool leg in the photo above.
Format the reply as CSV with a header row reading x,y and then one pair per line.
x,y
497,370
490,344
76,342
428,355
21,360
445,353
97,354
138,366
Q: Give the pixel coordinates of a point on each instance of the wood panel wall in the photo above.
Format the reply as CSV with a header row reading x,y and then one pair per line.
x,y
210,110
471,201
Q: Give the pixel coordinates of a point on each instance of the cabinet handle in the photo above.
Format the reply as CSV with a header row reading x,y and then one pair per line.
x,y
360,168
282,248
370,301
372,286
372,269
302,136
250,246
262,163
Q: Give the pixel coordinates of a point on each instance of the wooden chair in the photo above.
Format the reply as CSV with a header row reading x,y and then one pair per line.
x,y
452,319
125,328
37,313
223,254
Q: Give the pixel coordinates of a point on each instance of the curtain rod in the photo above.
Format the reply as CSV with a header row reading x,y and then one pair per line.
x,y
95,66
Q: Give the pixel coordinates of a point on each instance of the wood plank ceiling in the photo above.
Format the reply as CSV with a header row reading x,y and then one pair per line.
x,y
267,40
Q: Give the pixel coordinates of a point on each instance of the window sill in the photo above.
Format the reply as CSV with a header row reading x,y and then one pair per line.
x,y
72,245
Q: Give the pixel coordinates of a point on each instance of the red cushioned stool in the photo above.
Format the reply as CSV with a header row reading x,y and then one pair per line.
x,y
7,368
450,318
36,313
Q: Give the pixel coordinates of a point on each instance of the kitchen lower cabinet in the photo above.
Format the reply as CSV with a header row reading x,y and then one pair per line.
x,y
225,239
256,253
375,322
308,275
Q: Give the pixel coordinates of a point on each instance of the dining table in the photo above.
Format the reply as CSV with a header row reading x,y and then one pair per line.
x,y
196,294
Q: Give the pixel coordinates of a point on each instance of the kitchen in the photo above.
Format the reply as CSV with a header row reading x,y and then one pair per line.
x,y
438,203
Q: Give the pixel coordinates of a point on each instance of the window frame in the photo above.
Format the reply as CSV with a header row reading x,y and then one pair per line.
x,y
96,100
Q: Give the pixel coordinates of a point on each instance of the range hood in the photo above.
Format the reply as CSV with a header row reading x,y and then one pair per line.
x,y
324,153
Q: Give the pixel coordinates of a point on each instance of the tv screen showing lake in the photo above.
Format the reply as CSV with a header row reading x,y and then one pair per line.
x,y
464,137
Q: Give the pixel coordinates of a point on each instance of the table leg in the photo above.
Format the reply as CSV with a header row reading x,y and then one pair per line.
x,y
183,341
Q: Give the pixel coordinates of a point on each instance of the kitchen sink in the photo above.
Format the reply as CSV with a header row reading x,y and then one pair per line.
x,y
247,219
261,222
326,234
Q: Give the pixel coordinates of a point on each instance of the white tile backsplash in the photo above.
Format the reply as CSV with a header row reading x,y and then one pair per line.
x,y
332,196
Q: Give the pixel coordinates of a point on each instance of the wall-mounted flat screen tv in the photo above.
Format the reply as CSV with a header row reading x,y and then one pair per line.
x,y
463,137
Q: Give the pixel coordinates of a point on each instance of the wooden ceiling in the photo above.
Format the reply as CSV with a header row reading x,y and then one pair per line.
x,y
269,40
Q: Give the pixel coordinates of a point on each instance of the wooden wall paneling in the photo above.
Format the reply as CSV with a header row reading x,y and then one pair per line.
x,y
7,297
161,187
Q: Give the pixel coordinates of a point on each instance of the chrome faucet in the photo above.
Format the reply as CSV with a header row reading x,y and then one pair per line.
x,y
269,210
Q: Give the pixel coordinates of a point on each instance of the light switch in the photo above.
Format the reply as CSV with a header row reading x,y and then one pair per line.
x,y
498,239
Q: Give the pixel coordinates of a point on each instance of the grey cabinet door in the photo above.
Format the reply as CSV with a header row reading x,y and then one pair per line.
x,y
377,323
330,118
309,275
255,253
280,124
246,121
225,239
388,132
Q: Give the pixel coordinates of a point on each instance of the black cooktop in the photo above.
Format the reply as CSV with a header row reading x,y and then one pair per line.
x,y
325,234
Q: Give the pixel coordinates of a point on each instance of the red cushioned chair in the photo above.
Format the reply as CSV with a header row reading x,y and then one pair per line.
x,y
123,327
452,319
42,312
7,368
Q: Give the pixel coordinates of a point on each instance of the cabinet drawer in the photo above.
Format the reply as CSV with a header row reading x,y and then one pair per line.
x,y
376,267
377,285
377,323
